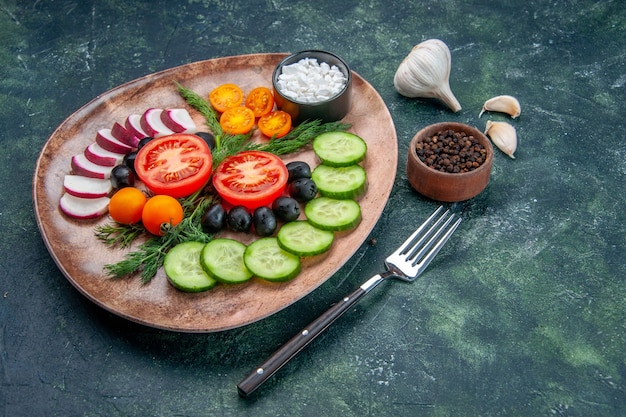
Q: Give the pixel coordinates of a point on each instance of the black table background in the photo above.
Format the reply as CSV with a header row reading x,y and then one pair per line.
x,y
523,313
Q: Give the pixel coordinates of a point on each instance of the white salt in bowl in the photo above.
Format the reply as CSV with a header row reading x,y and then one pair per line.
x,y
313,85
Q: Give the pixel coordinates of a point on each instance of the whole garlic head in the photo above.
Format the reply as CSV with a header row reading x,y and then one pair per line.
x,y
425,73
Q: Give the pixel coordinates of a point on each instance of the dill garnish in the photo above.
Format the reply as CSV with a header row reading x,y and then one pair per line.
x,y
149,256
121,235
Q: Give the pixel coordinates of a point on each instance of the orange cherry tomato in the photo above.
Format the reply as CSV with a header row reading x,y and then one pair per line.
x,y
177,165
225,96
260,100
237,120
251,179
161,209
126,205
275,124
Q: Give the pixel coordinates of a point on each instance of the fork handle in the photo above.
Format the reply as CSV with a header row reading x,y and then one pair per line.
x,y
302,339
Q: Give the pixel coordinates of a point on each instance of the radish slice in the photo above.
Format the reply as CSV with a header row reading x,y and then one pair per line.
x,y
105,139
83,166
178,120
100,156
83,208
86,187
151,123
122,134
133,125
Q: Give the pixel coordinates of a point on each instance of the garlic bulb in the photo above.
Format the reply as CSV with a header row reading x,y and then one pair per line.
x,y
502,104
503,135
425,73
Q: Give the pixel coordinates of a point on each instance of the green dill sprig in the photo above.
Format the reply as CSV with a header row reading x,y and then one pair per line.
x,y
200,104
117,234
300,136
149,256
225,143
229,145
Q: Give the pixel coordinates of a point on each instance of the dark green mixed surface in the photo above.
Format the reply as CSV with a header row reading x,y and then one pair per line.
x,y
522,314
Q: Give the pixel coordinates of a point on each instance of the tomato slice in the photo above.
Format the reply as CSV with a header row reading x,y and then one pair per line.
x,y
225,96
176,165
260,100
251,179
237,120
275,124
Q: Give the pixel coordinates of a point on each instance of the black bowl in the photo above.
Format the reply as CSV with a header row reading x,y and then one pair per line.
x,y
329,110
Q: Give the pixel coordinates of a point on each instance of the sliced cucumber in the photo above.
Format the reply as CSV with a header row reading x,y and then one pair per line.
x,y
303,239
222,258
267,260
340,182
333,214
183,269
339,149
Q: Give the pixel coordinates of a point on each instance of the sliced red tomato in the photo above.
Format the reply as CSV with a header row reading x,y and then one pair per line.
x,y
237,120
251,179
260,100
275,124
176,165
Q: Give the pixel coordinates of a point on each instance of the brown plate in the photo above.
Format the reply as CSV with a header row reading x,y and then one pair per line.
x,y
81,257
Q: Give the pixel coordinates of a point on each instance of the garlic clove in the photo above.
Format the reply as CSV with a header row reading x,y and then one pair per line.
x,y
502,104
425,73
503,135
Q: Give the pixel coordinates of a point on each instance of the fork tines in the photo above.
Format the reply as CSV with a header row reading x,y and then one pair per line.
x,y
422,246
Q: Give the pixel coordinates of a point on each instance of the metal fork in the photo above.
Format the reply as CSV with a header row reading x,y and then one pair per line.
x,y
406,263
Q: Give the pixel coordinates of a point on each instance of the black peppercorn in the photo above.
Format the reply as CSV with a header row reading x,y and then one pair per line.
x,y
450,151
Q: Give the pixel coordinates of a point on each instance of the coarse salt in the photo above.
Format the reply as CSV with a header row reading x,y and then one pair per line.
x,y
309,81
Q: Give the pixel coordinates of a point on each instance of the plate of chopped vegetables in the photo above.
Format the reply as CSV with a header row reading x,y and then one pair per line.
x,y
162,269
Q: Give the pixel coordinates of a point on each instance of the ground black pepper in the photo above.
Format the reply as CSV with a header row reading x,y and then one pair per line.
x,y
450,151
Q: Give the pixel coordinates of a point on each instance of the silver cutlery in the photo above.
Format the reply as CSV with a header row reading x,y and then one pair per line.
x,y
406,264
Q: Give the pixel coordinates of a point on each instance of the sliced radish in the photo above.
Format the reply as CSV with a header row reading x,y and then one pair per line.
x,y
122,134
83,166
100,156
83,208
86,187
178,120
151,123
133,125
105,139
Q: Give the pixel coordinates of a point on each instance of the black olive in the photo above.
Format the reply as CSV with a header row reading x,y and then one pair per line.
x,y
143,142
214,219
264,221
239,219
122,176
303,189
129,160
297,170
286,209
208,138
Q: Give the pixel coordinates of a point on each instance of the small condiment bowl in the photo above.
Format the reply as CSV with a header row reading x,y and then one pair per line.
x,y
329,110
445,186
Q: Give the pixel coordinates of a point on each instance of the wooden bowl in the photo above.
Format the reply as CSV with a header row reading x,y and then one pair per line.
x,y
445,186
